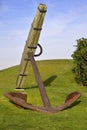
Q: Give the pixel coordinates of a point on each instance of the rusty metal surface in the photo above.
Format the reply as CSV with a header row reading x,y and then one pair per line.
x,y
19,95
72,96
44,96
20,100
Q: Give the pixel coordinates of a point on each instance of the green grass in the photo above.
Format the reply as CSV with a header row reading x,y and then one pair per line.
x,y
59,82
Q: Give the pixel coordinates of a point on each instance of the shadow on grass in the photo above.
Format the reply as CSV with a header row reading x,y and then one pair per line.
x,y
46,83
74,104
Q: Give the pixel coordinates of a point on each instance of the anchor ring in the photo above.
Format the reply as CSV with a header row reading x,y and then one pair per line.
x,y
41,50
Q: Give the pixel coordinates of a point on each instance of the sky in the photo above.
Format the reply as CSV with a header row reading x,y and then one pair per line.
x,y
65,22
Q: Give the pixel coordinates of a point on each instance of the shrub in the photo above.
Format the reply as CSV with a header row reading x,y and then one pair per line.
x,y
80,60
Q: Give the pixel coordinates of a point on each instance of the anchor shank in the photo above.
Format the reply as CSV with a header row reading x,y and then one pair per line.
x,y
44,96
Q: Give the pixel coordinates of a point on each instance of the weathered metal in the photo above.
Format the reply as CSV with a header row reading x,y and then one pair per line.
x,y
44,96
21,102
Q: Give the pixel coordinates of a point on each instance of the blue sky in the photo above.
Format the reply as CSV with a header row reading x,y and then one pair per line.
x,y
65,22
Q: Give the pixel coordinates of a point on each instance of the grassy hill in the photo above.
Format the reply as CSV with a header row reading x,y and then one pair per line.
x,y
59,82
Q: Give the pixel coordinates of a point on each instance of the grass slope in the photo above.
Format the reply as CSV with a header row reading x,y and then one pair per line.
x,y
59,81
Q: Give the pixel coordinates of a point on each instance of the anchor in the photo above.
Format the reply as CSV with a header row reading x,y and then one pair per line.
x,y
20,99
